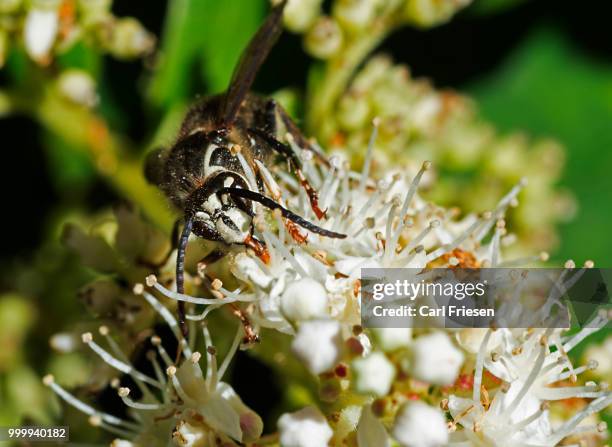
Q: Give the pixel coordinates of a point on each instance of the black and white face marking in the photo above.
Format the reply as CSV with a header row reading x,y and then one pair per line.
x,y
221,214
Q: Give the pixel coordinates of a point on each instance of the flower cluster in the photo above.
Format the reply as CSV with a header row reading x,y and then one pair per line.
x,y
186,403
325,35
49,27
375,386
343,39
418,122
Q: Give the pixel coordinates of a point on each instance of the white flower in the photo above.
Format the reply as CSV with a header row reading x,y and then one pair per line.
x,y
324,38
436,359
310,286
40,30
432,12
390,339
419,425
129,39
304,428
208,408
470,339
373,374
518,412
79,87
304,299
318,345
355,14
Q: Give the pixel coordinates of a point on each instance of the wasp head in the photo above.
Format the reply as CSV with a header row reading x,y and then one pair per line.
x,y
219,216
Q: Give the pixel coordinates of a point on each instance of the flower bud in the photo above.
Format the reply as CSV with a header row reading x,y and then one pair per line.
x,y
40,30
318,344
373,374
390,339
78,87
324,39
353,110
419,425
304,299
94,10
304,428
428,13
435,359
299,15
355,14
128,39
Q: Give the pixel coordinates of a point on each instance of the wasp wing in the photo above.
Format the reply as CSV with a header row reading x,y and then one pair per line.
x,y
250,62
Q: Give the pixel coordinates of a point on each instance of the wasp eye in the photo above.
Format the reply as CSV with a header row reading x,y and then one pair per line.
x,y
219,156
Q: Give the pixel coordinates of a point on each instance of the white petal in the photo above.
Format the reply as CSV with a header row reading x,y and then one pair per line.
x,y
304,299
390,339
39,32
246,268
304,428
78,86
436,360
419,425
250,422
370,431
373,374
221,416
299,14
318,344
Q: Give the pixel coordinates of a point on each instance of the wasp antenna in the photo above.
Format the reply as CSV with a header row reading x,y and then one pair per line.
x,y
271,204
180,271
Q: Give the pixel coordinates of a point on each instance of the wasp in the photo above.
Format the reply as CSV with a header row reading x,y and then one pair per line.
x,y
202,174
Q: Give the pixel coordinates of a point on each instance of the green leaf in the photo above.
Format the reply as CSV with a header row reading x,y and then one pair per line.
x,y
229,29
179,43
549,88
209,32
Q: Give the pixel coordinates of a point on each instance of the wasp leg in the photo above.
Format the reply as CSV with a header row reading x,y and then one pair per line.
x,y
295,164
250,336
274,110
295,232
258,247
